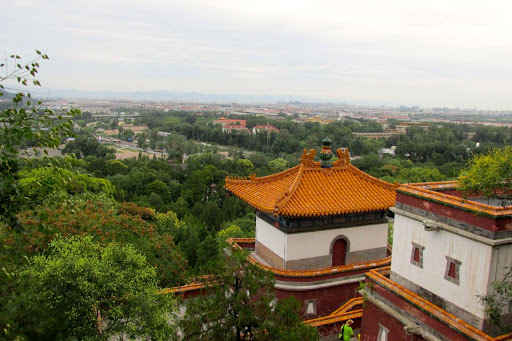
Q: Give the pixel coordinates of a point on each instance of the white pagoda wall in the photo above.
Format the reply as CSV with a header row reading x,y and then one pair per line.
x,y
270,243
501,263
475,258
311,250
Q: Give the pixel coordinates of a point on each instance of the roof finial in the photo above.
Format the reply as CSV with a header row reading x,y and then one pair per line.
x,y
343,156
326,153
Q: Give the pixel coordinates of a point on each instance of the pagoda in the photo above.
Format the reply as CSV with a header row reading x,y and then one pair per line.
x,y
448,251
318,214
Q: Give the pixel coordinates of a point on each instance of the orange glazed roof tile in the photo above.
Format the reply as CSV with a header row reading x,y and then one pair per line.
x,y
427,190
308,190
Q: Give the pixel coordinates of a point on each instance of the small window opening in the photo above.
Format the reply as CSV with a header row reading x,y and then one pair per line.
x,y
383,333
417,255
452,271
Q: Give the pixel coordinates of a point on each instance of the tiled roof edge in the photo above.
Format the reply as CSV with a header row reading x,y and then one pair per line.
x,y
255,205
370,178
432,309
418,190
263,179
291,191
313,273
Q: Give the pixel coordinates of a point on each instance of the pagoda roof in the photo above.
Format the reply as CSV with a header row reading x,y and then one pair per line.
x,y
311,189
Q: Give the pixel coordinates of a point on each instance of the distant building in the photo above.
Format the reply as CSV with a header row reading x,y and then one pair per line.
x,y
386,151
275,117
402,126
378,136
235,127
226,122
267,127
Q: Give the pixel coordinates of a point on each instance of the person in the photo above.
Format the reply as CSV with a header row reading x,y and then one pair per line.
x,y
346,331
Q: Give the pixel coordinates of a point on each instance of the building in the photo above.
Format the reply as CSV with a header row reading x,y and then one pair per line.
x,y
386,151
267,127
333,203
378,136
402,126
226,122
321,230
312,231
235,127
447,252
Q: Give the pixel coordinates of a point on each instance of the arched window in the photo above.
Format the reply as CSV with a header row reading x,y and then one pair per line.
x,y
339,252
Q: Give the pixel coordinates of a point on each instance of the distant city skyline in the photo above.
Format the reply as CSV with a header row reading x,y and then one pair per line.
x,y
429,54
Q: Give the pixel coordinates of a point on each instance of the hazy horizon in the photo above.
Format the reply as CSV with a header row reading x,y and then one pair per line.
x,y
435,54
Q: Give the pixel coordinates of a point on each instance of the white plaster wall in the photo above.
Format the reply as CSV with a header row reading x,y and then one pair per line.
x,y
501,263
271,237
474,270
318,243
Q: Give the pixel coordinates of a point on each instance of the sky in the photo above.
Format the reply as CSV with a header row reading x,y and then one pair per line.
x,y
427,53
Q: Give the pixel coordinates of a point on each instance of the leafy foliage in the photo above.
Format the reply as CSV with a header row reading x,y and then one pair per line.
x,y
52,183
84,290
499,302
239,306
130,225
24,124
490,174
419,174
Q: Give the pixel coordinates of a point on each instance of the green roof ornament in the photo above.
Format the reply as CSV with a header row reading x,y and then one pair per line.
x,y
326,153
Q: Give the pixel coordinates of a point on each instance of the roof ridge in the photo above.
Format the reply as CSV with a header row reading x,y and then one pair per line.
x,y
262,179
288,195
365,176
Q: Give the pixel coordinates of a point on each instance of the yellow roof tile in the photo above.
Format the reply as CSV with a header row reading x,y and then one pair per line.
x,y
309,190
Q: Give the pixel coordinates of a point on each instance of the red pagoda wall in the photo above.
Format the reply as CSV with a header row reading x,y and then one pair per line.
x,y
327,299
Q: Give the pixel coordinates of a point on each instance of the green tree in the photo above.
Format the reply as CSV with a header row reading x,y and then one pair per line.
x,y
419,174
489,174
278,165
232,231
499,302
239,305
87,145
126,224
246,167
25,123
58,184
83,290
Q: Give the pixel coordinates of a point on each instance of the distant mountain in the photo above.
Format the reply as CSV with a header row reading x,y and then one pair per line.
x,y
6,95
178,96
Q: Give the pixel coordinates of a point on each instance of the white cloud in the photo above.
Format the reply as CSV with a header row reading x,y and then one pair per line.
x,y
428,53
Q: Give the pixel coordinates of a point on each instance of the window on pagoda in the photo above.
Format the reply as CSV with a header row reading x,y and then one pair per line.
x,y
383,333
452,272
417,255
310,307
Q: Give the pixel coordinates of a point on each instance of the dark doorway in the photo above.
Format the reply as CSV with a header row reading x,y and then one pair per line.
x,y
339,252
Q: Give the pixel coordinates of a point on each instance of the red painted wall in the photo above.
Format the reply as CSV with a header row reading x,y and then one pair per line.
x,y
328,299
456,214
373,315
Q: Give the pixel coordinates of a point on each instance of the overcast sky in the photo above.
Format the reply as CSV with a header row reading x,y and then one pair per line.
x,y
427,53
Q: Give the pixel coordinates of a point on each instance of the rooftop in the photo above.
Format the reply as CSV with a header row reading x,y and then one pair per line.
x,y
447,193
315,189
